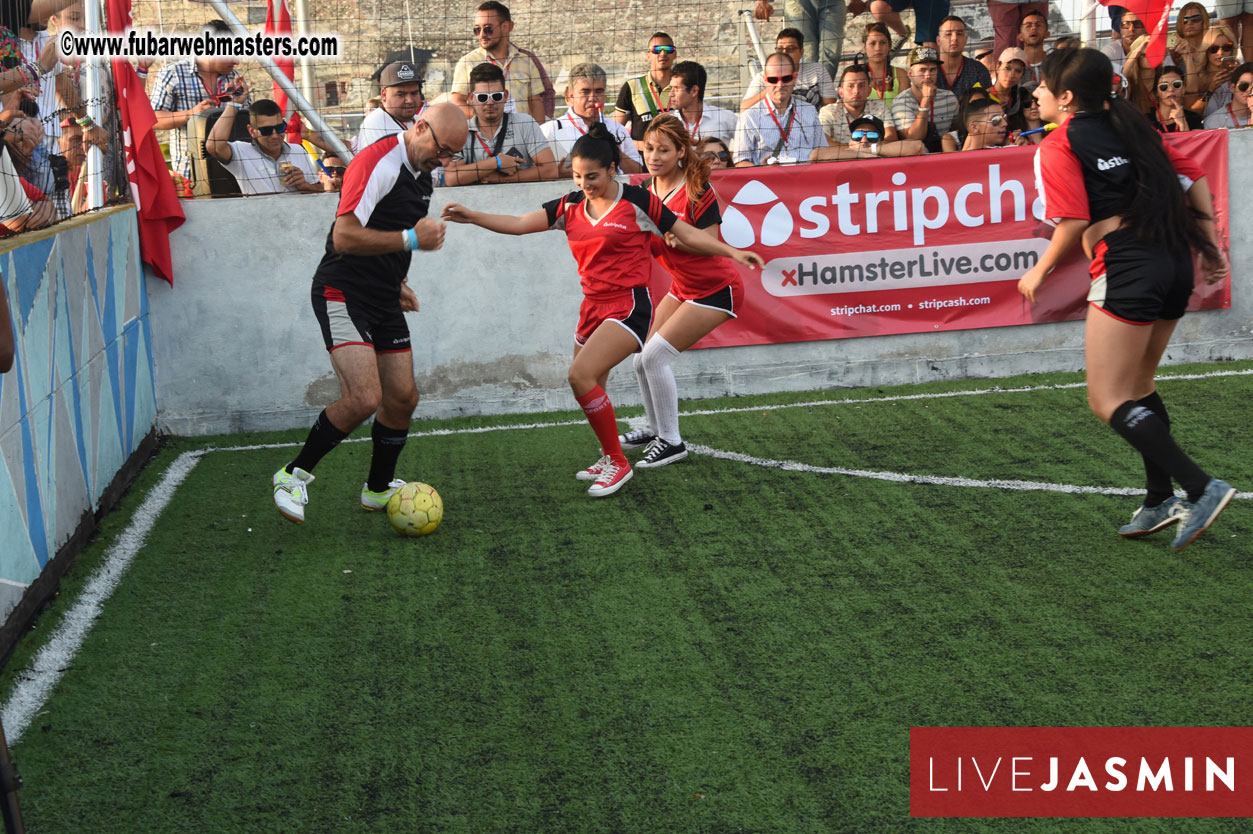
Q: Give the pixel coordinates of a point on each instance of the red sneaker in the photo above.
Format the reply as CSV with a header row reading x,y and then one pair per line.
x,y
612,476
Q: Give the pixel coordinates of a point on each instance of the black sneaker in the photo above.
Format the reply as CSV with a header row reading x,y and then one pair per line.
x,y
659,453
636,439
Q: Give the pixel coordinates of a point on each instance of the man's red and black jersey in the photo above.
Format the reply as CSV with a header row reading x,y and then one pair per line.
x,y
611,251
387,194
694,275
1083,171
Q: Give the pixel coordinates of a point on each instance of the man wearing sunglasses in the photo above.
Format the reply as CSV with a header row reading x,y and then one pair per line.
x,y
524,75
868,139
331,172
813,82
359,298
1129,28
780,129
501,146
403,104
1236,113
648,95
269,163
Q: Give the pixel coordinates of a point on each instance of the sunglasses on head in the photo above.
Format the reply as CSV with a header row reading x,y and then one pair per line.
x,y
866,135
1243,86
270,130
488,30
1192,18
662,49
779,79
1169,85
483,98
1215,49
723,155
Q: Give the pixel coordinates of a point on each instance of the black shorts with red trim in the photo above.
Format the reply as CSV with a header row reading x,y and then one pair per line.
x,y
1139,284
631,308
729,299
347,321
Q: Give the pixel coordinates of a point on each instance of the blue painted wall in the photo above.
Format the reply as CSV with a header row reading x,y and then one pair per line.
x,y
80,397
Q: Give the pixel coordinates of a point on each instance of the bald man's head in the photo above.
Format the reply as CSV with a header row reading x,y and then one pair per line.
x,y
440,133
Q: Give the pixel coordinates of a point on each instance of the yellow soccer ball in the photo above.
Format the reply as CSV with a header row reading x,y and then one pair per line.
x,y
415,510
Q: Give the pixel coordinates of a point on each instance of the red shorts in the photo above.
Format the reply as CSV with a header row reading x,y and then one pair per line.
x,y
633,309
729,299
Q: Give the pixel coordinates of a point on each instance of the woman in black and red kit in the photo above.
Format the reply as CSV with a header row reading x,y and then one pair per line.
x,y
1141,209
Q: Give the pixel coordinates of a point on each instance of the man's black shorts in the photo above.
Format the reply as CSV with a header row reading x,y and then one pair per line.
x,y
347,322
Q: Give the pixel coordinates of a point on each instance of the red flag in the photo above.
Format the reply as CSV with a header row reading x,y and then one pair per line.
x,y
1155,15
278,22
152,189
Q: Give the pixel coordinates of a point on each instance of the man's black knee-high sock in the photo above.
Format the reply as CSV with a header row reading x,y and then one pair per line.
x,y
388,443
1147,432
1156,479
322,438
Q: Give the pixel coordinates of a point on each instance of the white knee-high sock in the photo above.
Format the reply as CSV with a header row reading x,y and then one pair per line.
x,y
655,359
638,363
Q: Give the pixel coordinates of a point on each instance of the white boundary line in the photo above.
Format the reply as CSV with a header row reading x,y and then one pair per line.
x,y
33,686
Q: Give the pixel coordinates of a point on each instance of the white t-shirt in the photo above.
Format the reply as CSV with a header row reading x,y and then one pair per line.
x,y
379,123
714,122
47,100
257,173
562,133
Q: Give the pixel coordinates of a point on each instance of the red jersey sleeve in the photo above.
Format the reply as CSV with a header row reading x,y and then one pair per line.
x,y
556,209
369,176
1059,180
650,208
704,211
1185,166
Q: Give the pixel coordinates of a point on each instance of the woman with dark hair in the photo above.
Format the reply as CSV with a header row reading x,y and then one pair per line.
x,y
609,227
885,80
1170,116
704,292
1109,181
716,151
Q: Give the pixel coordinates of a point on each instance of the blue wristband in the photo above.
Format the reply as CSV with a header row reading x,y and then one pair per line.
x,y
499,167
411,240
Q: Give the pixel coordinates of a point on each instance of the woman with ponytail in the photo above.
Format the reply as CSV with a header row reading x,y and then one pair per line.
x,y
609,227
704,292
1110,181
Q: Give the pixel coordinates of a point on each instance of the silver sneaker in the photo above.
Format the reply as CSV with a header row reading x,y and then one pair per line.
x,y
1148,520
1204,512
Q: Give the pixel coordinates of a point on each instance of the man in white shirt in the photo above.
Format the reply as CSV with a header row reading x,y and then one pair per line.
x,y
585,97
1130,29
687,101
780,129
402,104
269,163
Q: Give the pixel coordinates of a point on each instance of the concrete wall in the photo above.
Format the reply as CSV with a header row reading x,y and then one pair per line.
x,y
80,397
237,347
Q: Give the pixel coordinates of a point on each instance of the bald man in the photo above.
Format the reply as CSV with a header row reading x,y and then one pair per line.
x,y
360,297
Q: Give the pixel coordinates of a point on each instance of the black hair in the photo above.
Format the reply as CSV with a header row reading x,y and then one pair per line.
x,y
973,107
862,68
498,8
264,107
219,26
881,28
660,36
1243,69
486,72
691,74
1166,69
790,32
1036,13
950,19
1158,211
600,146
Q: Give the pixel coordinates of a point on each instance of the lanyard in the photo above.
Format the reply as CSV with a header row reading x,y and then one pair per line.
x,y
579,127
785,132
882,89
693,130
948,85
1236,121
500,138
656,91
503,67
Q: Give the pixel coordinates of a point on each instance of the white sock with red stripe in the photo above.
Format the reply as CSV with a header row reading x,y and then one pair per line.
x,y
655,359
645,391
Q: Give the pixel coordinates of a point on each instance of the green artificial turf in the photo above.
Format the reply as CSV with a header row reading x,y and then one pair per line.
x,y
720,647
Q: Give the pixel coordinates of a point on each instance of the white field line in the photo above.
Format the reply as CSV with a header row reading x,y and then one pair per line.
x,y
35,685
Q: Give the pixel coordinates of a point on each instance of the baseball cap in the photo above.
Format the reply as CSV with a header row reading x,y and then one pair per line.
x,y
400,72
1013,53
867,122
923,55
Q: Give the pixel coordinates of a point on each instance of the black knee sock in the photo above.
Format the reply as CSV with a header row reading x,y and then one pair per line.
x,y
1156,479
1147,432
322,438
388,443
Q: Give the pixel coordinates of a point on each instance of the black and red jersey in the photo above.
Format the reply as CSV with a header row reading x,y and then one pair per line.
x,y
387,194
694,276
1082,170
611,251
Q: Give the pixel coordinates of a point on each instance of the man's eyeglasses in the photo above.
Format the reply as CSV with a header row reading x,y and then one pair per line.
x,y
866,136
483,98
779,79
270,130
1215,49
723,155
1193,18
488,30
1165,86
1243,86
662,49
440,150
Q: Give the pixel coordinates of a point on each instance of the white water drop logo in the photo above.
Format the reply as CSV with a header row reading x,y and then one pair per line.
x,y
775,229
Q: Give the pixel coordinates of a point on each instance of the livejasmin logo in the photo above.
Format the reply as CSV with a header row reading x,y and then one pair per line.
x,y
1022,774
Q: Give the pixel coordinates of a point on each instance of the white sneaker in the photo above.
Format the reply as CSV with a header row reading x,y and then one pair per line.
x,y
291,493
612,477
592,472
378,500
636,439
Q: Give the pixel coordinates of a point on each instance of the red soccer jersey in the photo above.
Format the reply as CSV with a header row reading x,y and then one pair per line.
x,y
694,276
611,251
